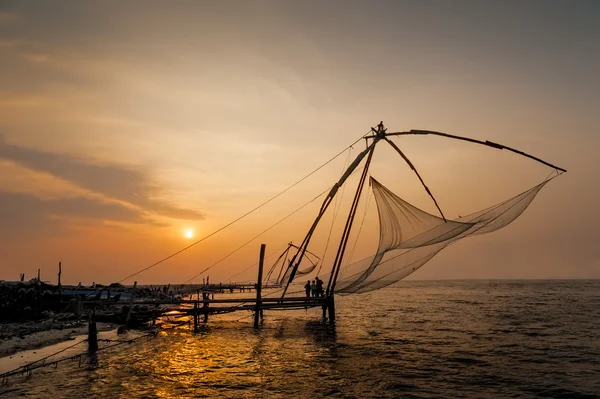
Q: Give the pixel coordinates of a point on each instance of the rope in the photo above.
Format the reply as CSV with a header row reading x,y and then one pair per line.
x,y
255,237
336,210
357,236
241,217
256,263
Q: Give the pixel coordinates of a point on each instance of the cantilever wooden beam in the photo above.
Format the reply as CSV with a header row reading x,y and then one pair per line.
x,y
486,143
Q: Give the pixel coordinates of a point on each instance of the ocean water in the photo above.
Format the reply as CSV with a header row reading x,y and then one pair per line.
x,y
449,339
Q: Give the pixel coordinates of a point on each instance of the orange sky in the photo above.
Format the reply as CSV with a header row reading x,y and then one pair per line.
x,y
123,125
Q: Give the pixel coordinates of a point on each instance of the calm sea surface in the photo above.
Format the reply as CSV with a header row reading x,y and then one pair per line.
x,y
458,339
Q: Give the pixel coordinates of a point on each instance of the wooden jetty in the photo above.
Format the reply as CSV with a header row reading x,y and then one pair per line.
x,y
205,306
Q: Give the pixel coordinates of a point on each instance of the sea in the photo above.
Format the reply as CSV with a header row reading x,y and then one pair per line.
x,y
416,339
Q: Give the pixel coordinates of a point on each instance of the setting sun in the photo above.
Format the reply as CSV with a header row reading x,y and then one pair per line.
x,y
188,233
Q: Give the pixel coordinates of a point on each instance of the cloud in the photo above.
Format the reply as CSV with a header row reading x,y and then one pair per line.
x,y
24,215
116,181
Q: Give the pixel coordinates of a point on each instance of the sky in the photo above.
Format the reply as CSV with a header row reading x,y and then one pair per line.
x,y
126,125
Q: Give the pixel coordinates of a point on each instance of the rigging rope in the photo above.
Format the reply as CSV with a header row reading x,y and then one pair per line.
x,y
255,237
256,263
336,210
243,216
357,235
272,269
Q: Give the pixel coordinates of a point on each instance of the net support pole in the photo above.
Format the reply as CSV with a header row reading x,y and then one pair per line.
x,y
347,229
379,134
284,255
257,310
331,308
297,258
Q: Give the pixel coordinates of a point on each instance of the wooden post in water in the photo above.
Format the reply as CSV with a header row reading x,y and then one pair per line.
x,y
59,286
92,333
205,306
331,308
78,308
131,303
261,261
196,317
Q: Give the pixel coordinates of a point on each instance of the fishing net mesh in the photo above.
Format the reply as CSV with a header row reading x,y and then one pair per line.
x,y
287,267
410,237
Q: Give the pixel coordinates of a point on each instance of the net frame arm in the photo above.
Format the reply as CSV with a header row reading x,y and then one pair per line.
x,y
486,143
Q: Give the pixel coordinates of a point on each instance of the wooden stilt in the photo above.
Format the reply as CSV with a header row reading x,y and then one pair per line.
x,y
257,310
205,307
331,308
128,318
78,308
59,285
92,333
196,317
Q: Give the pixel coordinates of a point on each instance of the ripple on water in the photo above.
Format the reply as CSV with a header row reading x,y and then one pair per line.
x,y
452,339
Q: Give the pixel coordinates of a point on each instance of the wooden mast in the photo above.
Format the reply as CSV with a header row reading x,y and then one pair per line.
x,y
258,311
297,258
379,134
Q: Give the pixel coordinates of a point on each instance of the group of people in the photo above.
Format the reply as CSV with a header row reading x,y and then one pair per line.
x,y
315,288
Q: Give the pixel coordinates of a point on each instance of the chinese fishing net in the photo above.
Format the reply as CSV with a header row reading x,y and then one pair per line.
x,y
410,237
285,270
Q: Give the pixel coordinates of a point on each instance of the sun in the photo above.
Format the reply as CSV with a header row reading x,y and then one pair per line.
x,y
188,233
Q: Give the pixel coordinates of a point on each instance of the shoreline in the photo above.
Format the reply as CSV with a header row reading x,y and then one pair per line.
x,y
15,339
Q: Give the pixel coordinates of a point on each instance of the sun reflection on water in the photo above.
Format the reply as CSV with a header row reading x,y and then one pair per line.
x,y
441,341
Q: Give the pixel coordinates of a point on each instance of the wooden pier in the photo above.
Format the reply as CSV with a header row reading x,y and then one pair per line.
x,y
204,304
